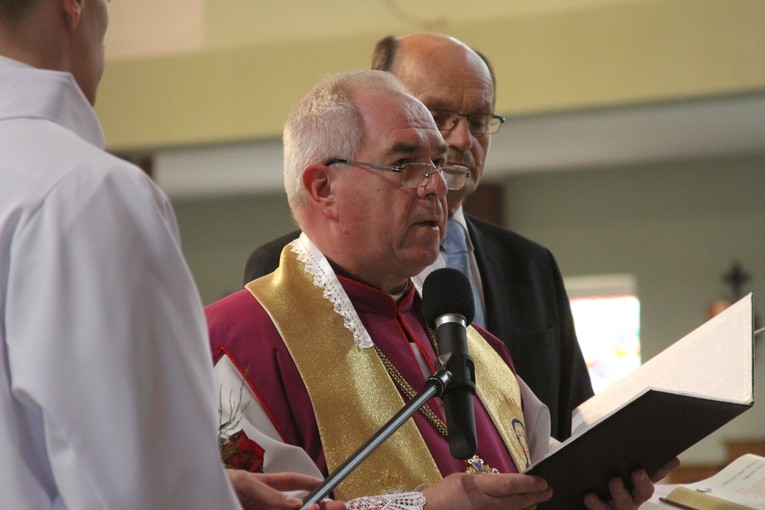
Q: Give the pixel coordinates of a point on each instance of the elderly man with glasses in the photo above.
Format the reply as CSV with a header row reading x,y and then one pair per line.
x,y
517,286
314,358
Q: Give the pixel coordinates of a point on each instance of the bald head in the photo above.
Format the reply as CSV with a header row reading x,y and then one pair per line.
x,y
394,54
457,84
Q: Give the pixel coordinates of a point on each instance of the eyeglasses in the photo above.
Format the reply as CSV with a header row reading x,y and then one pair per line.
x,y
415,175
478,123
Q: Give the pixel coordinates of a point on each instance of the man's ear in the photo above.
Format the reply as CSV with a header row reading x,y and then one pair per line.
x,y
73,9
319,183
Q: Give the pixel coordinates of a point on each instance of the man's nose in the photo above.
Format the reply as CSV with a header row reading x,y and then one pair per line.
x,y
459,137
436,185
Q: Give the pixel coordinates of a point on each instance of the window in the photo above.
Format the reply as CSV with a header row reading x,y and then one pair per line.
x,y
606,313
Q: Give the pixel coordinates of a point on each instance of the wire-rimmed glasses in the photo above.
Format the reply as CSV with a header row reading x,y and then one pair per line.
x,y
415,175
479,123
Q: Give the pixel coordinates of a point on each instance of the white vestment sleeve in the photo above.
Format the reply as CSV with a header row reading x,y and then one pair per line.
x,y
107,347
254,421
537,419
237,401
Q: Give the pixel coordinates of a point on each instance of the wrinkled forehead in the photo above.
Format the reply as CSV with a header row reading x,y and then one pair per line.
x,y
456,80
417,113
399,124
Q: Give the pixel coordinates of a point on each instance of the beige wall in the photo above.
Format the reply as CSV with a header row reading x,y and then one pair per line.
x,y
229,84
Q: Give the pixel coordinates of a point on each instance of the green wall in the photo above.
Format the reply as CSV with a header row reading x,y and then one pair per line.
x,y
218,235
678,227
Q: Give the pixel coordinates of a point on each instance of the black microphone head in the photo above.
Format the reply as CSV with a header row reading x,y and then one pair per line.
x,y
447,291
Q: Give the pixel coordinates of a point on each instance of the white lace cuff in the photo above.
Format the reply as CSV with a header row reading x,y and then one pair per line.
x,y
395,501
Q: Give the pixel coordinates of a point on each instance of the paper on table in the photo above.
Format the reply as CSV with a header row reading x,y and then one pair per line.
x,y
741,482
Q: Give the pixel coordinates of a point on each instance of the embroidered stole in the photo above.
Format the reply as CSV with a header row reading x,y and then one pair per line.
x,y
497,387
339,374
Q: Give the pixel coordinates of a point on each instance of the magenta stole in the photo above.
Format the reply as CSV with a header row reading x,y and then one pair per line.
x,y
391,324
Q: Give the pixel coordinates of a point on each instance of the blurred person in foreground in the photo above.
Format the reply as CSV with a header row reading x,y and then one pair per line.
x,y
106,396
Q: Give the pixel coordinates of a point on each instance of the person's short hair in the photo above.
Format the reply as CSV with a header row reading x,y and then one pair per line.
x,y
12,11
386,48
384,53
326,124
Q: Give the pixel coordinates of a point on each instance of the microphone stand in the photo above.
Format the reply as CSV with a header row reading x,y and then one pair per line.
x,y
434,387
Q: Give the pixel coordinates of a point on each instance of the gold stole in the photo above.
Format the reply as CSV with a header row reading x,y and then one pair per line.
x,y
497,387
338,374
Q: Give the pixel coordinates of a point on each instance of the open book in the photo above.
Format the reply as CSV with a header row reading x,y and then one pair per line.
x,y
671,402
738,486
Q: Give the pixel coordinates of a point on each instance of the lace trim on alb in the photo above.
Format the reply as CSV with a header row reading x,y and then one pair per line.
x,y
399,501
317,265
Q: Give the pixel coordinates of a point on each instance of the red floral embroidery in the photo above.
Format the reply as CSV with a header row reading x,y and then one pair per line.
x,y
241,452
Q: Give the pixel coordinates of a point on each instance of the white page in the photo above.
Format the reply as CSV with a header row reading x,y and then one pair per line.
x,y
742,482
714,361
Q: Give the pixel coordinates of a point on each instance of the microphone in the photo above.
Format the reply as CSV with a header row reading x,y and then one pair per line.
x,y
447,304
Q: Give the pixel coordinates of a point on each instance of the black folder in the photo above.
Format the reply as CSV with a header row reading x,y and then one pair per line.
x,y
648,432
682,395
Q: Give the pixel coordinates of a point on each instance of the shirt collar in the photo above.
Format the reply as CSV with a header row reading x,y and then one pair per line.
x,y
50,95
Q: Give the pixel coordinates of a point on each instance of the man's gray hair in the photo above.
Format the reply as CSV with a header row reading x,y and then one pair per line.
x,y
327,124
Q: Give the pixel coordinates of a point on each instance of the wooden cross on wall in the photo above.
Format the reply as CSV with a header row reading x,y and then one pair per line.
x,y
736,278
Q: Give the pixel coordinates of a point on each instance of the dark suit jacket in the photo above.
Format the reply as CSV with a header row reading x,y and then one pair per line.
x,y
526,307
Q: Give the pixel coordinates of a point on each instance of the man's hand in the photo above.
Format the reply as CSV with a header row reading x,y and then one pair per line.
x,y
262,491
642,490
487,491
